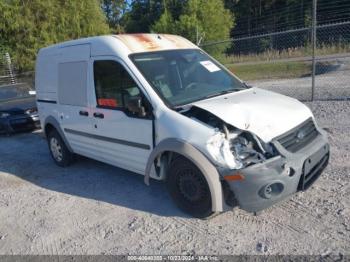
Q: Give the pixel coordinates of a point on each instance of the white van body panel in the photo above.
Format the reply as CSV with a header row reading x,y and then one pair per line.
x,y
45,81
66,112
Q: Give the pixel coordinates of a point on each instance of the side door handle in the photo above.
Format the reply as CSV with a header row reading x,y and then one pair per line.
x,y
99,115
84,113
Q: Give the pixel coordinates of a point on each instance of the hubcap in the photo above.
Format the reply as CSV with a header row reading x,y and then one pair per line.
x,y
56,149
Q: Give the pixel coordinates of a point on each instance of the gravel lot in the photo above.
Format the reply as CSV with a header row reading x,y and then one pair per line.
x,y
93,208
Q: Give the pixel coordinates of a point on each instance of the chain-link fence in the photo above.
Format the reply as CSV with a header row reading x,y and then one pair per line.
x,y
6,69
333,62
283,61
10,76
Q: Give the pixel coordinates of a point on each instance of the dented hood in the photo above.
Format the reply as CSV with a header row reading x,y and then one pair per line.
x,y
264,113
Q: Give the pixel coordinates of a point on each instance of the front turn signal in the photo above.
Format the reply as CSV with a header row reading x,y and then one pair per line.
x,y
235,177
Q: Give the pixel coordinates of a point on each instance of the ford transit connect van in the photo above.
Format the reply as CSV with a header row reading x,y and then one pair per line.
x,y
159,106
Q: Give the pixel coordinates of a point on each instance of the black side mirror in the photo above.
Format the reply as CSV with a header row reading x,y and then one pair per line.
x,y
135,106
247,85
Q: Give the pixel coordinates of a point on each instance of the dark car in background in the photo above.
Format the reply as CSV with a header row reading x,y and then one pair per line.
x,y
18,111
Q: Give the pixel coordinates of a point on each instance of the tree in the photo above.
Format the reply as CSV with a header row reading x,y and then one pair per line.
x,y
165,24
142,14
114,11
201,21
28,25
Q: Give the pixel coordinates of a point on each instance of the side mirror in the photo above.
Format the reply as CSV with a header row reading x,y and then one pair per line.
x,y
134,105
247,85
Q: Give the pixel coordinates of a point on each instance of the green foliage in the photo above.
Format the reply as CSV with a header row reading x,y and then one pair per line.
x,y
201,20
142,14
165,24
28,25
114,10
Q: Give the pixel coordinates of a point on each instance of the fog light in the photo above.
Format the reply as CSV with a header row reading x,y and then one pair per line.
x,y
271,190
268,190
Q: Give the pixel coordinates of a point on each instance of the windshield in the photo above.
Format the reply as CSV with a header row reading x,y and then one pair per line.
x,y
14,92
183,76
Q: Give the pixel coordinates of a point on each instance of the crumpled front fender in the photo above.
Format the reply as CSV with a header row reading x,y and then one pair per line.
x,y
205,166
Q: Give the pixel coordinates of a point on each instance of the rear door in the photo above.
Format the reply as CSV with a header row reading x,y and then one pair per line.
x,y
123,139
73,83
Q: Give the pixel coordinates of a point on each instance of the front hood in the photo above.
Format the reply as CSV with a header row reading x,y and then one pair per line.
x,y
264,113
18,105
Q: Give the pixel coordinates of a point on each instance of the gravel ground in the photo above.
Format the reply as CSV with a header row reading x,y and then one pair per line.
x,y
93,208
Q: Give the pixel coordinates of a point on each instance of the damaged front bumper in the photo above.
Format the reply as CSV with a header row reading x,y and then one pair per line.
x,y
273,180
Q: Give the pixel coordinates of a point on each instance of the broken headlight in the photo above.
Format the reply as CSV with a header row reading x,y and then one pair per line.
x,y
219,149
246,151
237,150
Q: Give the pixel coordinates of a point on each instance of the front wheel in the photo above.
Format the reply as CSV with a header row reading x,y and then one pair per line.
x,y
189,188
58,149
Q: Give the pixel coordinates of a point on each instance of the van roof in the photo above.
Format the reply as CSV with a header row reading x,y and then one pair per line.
x,y
133,43
153,42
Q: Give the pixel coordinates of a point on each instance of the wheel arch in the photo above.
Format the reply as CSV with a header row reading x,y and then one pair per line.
x,y
50,124
196,157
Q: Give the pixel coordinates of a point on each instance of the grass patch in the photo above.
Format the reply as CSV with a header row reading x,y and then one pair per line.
x,y
297,52
271,70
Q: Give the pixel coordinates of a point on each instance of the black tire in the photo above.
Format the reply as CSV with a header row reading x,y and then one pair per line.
x,y
189,188
61,155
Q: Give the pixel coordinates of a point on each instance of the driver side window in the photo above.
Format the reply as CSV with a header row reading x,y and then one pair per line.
x,y
114,86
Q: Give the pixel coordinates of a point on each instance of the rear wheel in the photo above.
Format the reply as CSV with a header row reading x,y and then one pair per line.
x,y
58,149
189,188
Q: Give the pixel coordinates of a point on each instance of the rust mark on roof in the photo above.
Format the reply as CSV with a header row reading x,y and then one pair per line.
x,y
178,41
146,40
153,42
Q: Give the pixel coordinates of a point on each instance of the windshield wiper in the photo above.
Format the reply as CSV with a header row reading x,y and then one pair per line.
x,y
224,92
182,106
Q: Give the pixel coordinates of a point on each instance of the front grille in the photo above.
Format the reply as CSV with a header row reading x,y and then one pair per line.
x,y
306,180
299,137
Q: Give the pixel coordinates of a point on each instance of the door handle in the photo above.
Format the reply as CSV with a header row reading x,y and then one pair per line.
x,y
99,115
83,113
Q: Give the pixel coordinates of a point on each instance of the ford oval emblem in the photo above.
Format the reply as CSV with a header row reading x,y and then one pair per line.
x,y
300,135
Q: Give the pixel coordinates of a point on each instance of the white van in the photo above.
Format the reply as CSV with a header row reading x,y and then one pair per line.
x,y
159,106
